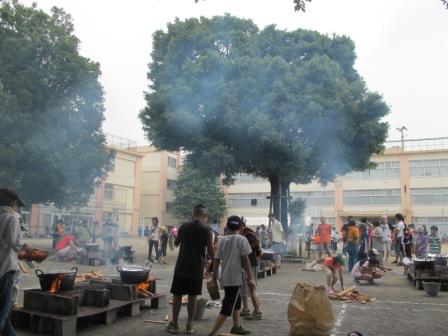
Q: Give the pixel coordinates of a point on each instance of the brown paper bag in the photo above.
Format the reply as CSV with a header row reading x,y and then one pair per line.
x,y
213,290
310,311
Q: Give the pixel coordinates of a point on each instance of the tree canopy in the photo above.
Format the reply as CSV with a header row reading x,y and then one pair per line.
x,y
51,108
198,187
288,106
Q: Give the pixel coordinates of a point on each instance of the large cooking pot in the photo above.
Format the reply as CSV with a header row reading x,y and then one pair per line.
x,y
133,274
67,278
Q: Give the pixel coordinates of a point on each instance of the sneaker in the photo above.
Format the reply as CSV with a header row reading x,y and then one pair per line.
x,y
190,329
172,328
373,282
254,317
239,331
356,281
244,313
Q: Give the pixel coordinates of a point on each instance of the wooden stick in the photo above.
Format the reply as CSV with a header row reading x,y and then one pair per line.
x,y
158,322
346,291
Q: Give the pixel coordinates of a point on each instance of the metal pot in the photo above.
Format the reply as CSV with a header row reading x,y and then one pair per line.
x,y
133,274
67,278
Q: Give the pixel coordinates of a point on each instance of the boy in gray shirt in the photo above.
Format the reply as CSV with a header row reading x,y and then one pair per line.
x,y
233,255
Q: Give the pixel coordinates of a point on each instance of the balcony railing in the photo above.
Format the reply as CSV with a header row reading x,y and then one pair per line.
x,y
120,142
416,145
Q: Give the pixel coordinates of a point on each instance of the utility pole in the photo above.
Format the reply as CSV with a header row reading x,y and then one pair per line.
x,y
401,130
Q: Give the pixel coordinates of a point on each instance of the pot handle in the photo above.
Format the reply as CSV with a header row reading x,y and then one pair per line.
x,y
119,269
39,273
74,268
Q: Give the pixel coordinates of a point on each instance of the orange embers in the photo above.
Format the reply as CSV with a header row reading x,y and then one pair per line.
x,y
55,285
143,289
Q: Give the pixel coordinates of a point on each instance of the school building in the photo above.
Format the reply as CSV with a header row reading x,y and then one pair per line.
x,y
411,178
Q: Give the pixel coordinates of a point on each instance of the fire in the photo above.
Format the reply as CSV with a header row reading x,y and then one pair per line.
x,y
143,286
143,289
55,285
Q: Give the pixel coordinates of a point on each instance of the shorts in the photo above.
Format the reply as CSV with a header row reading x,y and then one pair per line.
x,y
231,301
245,288
387,246
324,247
186,286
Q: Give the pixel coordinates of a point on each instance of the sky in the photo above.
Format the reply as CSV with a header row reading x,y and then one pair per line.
x,y
401,45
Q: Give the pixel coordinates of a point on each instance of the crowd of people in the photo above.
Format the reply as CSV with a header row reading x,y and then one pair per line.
x,y
368,245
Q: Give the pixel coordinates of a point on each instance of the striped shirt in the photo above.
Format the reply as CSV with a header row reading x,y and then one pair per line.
x,y
434,244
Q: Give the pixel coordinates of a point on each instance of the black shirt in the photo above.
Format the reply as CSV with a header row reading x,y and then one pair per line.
x,y
193,237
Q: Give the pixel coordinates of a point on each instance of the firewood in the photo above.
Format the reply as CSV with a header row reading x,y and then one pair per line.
x,y
152,321
346,291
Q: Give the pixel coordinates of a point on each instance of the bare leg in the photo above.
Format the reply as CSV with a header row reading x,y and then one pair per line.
x,y
177,304
255,301
245,302
218,324
236,318
191,308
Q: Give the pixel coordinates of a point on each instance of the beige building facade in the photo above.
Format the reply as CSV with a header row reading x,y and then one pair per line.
x,y
160,170
116,197
410,178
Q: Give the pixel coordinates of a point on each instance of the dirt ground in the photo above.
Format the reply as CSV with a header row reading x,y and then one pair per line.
x,y
398,309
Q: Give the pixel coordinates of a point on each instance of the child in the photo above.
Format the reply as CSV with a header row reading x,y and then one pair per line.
x,y
331,265
366,269
434,241
233,252
164,236
407,244
334,240
364,242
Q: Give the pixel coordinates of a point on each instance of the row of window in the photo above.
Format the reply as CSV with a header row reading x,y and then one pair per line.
x,y
428,167
388,169
429,196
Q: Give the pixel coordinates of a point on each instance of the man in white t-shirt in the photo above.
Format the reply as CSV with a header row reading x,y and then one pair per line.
x,y
278,235
398,235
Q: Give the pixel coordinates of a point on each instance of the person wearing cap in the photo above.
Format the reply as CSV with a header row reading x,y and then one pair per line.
x,y
10,244
233,256
331,265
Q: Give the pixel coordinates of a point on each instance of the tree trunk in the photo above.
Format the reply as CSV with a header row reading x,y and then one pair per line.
x,y
279,199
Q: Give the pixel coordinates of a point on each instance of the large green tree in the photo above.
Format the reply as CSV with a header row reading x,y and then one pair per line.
x,y
288,106
195,186
51,108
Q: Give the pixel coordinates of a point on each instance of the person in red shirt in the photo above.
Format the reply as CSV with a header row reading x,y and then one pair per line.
x,y
324,233
331,265
66,248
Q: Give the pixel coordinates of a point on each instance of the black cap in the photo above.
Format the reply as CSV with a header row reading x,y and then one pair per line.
x,y
7,196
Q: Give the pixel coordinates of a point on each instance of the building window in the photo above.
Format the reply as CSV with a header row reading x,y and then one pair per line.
x,y
316,198
248,200
171,184
428,167
372,197
429,195
389,169
172,162
169,207
108,191
246,178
